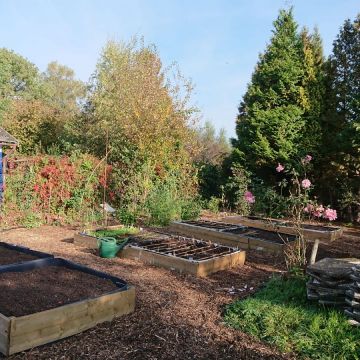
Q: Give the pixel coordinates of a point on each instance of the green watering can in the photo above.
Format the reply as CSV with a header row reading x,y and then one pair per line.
x,y
109,247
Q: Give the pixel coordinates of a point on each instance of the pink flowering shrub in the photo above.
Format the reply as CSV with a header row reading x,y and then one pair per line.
x,y
306,183
330,214
249,197
309,208
306,159
320,212
299,193
298,186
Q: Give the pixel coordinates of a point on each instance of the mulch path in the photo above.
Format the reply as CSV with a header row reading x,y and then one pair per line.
x,y
177,316
8,256
24,293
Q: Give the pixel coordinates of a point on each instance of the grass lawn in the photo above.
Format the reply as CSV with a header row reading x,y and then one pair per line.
x,y
281,315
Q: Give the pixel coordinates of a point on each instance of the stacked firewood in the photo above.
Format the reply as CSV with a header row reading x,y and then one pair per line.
x,y
330,279
353,297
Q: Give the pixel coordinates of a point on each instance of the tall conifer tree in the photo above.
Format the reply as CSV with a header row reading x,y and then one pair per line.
x,y
339,168
270,121
314,90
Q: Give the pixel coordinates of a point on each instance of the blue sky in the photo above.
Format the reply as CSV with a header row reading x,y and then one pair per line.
x,y
215,43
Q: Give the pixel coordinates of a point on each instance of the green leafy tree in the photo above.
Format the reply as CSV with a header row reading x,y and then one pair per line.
x,y
63,91
142,111
65,95
214,148
34,123
43,114
19,79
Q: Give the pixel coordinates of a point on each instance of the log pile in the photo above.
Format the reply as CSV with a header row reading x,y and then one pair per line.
x,y
330,279
353,297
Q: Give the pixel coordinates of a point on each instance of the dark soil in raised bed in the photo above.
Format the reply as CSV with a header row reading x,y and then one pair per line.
x,y
210,224
275,221
8,256
184,248
271,236
239,230
24,293
315,227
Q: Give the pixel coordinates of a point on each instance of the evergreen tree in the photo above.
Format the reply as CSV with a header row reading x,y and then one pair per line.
x,y
314,90
270,120
340,160
345,61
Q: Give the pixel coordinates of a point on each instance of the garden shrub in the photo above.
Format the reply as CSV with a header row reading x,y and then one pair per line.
x,y
162,205
269,202
191,209
51,189
166,202
235,188
214,204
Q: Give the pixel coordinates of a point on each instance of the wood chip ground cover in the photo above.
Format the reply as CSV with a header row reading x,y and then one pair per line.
x,y
176,316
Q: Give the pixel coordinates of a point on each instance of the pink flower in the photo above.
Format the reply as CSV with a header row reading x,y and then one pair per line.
x,y
330,214
306,183
307,159
280,168
249,197
319,211
309,208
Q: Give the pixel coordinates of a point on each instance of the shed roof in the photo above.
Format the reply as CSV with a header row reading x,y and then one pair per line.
x,y
6,138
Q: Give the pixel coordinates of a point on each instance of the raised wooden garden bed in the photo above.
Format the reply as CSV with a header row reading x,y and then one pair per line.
x,y
220,233
191,256
14,254
50,299
242,237
84,238
269,241
310,231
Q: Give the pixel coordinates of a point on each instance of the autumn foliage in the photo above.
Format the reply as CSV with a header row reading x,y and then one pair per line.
x,y
54,189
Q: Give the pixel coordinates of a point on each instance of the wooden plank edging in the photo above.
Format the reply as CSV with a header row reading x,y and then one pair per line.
x,y
197,268
43,327
25,332
280,226
222,238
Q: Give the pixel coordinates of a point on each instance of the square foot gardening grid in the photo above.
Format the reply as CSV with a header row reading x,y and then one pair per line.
x,y
18,333
216,232
186,255
239,236
323,233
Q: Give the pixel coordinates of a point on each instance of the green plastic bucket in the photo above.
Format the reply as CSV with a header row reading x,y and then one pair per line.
x,y
109,247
